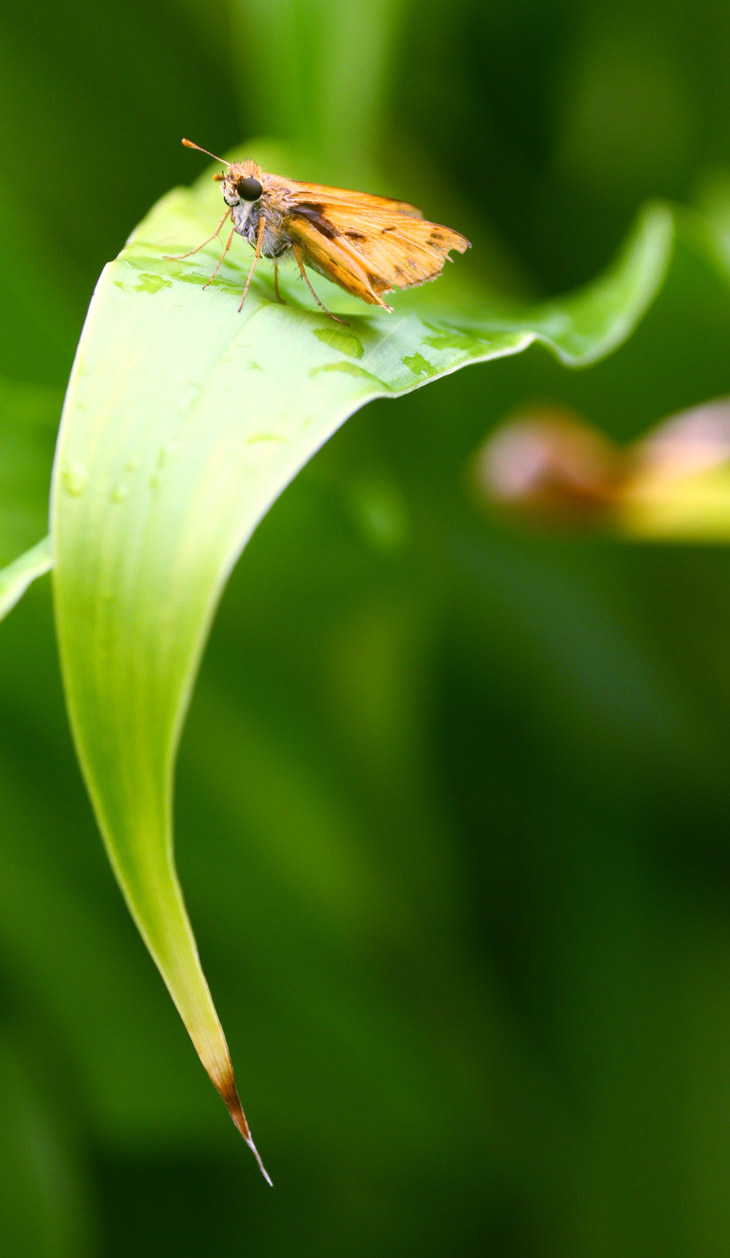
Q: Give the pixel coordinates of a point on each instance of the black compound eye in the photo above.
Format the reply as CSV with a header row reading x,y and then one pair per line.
x,y
249,189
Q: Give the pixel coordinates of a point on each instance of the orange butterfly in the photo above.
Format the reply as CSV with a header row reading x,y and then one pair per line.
x,y
368,245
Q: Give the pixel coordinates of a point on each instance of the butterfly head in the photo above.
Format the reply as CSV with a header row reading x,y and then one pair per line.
x,y
241,183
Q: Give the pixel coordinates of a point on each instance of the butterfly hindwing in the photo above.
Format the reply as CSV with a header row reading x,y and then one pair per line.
x,y
368,245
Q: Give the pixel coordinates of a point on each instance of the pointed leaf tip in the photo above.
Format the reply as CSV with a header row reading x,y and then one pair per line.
x,y
235,1109
262,1168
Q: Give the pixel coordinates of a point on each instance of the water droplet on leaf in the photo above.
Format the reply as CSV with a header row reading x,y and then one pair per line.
x,y
74,476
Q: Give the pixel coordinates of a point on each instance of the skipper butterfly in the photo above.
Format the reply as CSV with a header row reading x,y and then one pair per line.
x,y
369,245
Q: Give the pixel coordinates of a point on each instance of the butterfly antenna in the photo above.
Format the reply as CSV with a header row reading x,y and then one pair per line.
x,y
189,145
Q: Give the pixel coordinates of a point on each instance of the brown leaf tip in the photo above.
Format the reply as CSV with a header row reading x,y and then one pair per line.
x,y
235,1109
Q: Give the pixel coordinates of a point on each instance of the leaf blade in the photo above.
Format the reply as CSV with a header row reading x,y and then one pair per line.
x,y
182,424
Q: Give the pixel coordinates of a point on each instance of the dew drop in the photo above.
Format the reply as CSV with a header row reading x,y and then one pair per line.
x,y
119,493
74,476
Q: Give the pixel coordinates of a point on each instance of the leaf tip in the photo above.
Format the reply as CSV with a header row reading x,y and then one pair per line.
x,y
257,1155
235,1109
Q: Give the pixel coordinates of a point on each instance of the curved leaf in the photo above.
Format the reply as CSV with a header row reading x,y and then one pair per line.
x,y
183,422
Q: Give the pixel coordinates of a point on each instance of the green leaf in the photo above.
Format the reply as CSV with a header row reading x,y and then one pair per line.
x,y
17,576
184,421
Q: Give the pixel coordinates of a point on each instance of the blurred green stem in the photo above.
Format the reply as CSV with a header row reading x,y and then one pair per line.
x,y
17,576
281,48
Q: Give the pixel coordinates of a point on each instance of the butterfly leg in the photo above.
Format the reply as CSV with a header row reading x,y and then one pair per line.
x,y
305,277
277,294
220,260
179,257
257,255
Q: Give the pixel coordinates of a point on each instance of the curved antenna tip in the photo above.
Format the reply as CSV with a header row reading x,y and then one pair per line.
x,y
189,144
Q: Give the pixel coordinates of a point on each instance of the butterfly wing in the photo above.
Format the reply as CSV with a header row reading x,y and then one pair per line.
x,y
337,262
368,245
401,252
320,194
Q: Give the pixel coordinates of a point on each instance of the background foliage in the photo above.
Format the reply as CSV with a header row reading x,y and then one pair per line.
x,y
452,804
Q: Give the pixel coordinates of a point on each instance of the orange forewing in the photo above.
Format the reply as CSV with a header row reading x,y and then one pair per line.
x,y
320,193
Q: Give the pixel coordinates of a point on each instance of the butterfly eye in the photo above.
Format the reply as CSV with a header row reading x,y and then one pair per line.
x,y
249,189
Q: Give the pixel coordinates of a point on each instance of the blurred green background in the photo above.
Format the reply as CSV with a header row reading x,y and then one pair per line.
x,y
452,799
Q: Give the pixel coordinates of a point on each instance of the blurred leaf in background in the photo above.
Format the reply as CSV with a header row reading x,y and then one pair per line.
x,y
467,915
